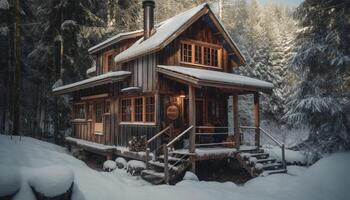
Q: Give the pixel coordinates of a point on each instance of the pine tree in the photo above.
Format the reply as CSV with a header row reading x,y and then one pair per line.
x,y
323,64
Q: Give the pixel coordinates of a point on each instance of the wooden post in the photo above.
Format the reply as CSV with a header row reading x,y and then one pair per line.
x,y
112,120
192,122
237,134
147,156
257,119
166,166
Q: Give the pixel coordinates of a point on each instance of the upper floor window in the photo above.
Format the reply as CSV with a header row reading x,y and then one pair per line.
x,y
110,62
200,53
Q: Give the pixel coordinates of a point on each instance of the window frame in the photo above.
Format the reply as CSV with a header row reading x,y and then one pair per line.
x,y
201,46
143,108
77,114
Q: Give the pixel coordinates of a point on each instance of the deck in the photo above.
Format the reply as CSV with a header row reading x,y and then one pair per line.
x,y
202,153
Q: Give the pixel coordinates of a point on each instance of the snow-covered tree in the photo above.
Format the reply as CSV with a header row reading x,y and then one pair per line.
x,y
323,64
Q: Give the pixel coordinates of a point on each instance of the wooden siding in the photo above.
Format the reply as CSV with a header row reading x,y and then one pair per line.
x,y
200,32
102,58
143,72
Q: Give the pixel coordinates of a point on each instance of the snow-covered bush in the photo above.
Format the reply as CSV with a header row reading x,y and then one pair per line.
x,y
109,165
51,181
10,181
121,163
135,167
190,176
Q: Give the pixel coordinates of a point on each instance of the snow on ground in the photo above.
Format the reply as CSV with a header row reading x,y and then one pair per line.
x,y
328,179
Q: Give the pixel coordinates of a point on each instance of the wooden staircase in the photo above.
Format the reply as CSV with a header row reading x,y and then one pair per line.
x,y
177,166
259,163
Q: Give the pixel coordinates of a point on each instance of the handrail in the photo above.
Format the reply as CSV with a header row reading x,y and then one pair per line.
x,y
179,136
166,153
150,140
280,144
158,134
271,137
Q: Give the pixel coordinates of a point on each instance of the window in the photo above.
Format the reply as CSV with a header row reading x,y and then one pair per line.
x,y
198,54
204,54
79,110
99,112
108,107
138,109
110,62
150,109
126,110
186,52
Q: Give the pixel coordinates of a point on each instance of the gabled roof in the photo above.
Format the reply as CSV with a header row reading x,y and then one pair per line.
x,y
171,28
202,77
109,77
115,39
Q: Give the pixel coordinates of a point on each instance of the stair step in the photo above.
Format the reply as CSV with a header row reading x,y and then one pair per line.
x,y
270,165
152,173
161,164
265,160
182,153
269,172
259,155
170,158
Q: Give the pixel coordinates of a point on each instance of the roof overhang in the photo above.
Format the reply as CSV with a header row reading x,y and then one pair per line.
x,y
144,47
103,79
114,40
217,79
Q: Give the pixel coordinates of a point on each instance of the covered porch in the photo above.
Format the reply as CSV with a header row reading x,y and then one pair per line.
x,y
203,97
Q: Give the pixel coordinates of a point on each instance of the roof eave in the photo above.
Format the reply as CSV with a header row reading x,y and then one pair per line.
x,y
95,49
103,81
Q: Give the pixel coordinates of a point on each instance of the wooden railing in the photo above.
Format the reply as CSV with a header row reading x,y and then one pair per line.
x,y
280,144
166,153
219,130
168,128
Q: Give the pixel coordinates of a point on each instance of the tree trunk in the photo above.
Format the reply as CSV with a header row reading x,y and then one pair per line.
x,y
17,74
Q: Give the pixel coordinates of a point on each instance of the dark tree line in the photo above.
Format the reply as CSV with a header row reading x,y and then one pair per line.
x,y
304,52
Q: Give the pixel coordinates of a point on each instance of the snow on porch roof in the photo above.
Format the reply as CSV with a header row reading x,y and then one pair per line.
x,y
166,32
106,78
215,78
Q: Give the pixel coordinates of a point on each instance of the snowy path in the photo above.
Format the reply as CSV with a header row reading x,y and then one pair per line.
x,y
326,180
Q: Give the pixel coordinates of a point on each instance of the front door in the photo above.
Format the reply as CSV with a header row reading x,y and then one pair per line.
x,y
200,112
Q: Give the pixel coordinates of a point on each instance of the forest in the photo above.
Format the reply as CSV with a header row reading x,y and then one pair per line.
x,y
303,51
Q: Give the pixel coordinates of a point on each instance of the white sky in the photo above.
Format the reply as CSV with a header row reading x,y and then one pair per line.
x,y
293,3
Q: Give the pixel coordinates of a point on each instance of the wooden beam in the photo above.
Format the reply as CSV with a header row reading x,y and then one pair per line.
x,y
192,122
237,134
256,113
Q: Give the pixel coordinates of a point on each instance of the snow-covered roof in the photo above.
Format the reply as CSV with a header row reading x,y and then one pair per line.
x,y
166,32
106,78
115,39
204,77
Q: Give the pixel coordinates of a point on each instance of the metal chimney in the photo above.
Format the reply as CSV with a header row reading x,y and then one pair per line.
x,y
148,18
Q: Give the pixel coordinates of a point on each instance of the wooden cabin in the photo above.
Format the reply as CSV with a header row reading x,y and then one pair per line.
x,y
169,83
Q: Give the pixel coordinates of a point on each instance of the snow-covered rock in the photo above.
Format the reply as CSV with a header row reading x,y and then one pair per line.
x,y
121,163
10,180
190,176
51,181
135,167
109,165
